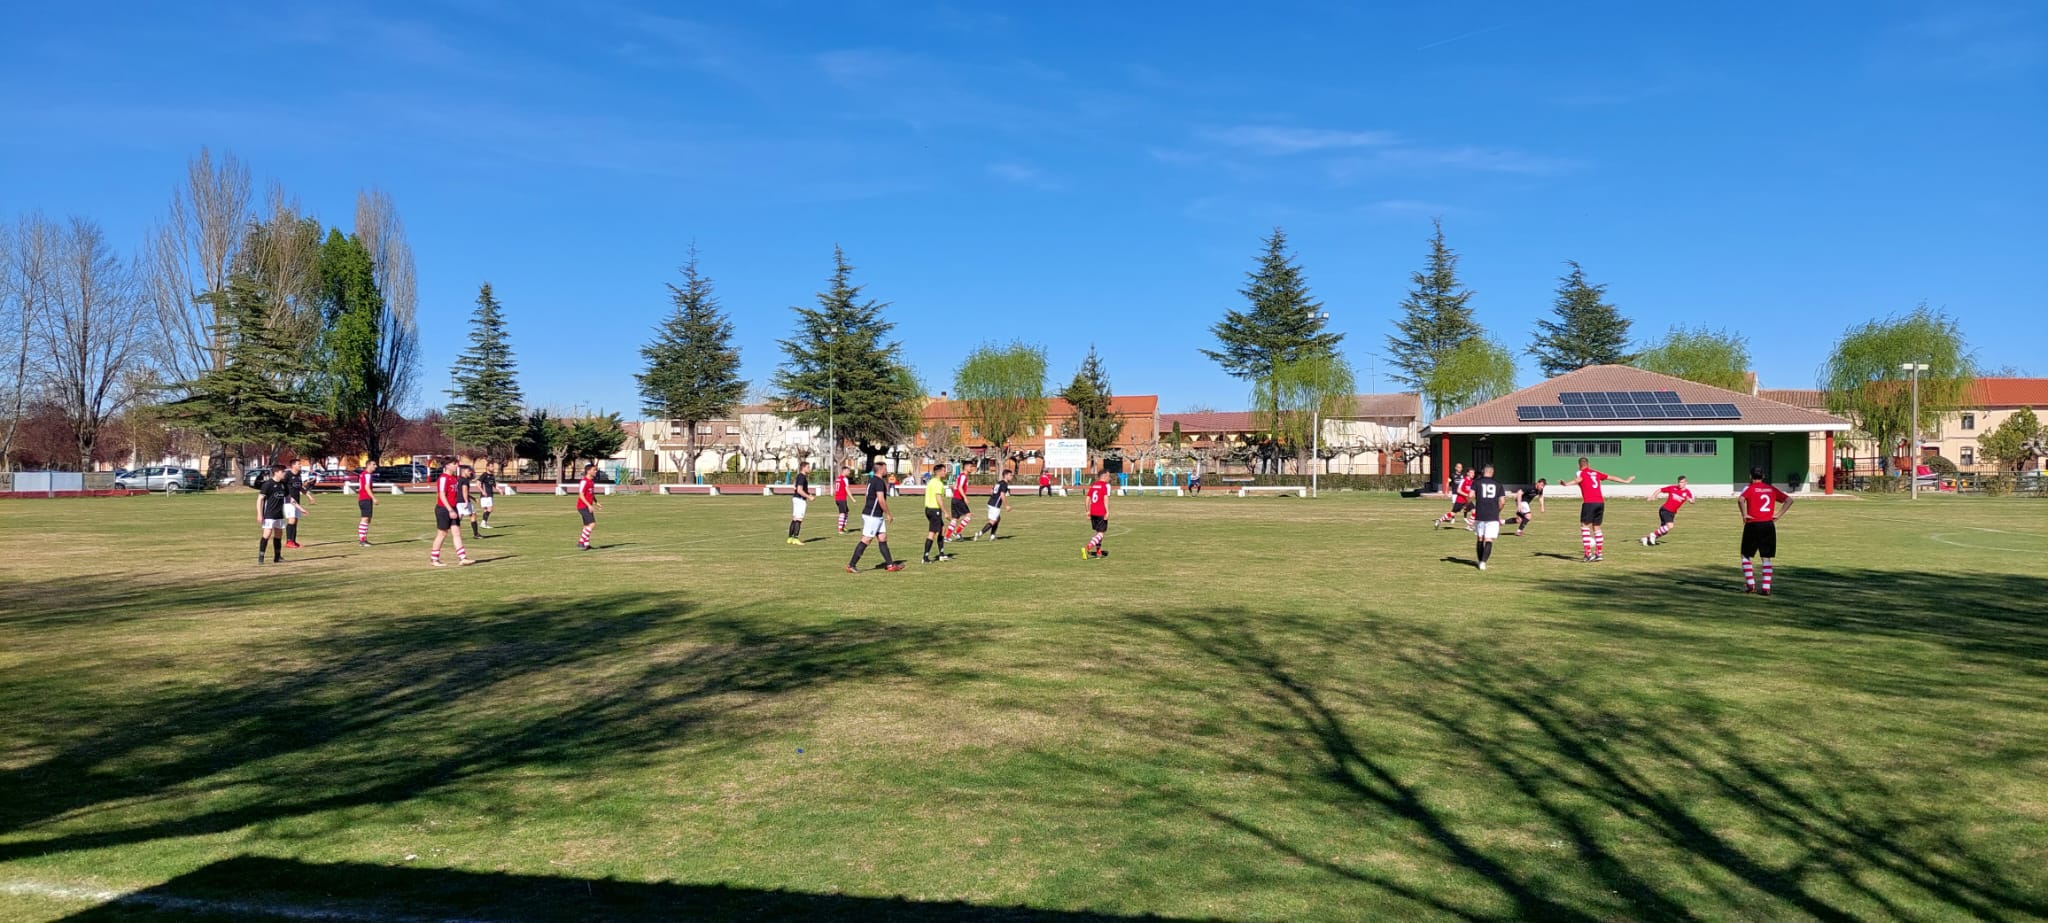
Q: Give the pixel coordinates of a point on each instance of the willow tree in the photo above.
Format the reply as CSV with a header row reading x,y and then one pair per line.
x,y
1709,357
1003,391
1864,379
1302,393
1472,372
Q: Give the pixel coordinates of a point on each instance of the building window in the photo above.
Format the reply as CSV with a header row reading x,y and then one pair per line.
x,y
1969,421
703,429
1589,449
1969,455
732,430
1690,448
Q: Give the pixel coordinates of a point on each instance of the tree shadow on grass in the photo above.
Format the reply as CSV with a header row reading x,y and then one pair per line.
x,y
1659,808
384,709
1987,614
257,887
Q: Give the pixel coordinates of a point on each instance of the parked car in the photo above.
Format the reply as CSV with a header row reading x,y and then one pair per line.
x,y
161,477
401,473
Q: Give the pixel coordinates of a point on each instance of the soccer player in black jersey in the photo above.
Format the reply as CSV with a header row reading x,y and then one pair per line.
x,y
998,502
800,502
1487,497
1529,504
874,521
272,494
487,497
296,499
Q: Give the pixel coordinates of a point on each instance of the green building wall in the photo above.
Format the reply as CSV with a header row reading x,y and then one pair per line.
x,y
1523,459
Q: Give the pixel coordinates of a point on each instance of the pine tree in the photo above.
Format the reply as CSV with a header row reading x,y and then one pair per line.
x,y
257,396
1436,318
693,370
1588,331
1282,323
484,410
840,371
1089,394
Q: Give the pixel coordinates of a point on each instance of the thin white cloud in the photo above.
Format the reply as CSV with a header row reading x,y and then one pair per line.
x,y
1281,140
1022,174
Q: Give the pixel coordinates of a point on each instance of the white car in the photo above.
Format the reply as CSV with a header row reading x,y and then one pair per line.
x,y
161,477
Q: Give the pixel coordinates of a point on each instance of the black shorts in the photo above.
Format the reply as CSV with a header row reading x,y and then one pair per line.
x,y
1665,517
934,521
959,508
367,508
1592,514
1759,539
589,515
842,506
444,518
1099,523
1458,506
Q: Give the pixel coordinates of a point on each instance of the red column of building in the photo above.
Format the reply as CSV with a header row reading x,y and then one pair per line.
x,y
1829,481
1444,470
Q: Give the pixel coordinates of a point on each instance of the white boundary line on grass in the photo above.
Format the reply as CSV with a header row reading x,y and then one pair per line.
x,y
43,889
1943,537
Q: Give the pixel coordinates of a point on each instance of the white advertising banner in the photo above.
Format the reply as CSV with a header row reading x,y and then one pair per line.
x,y
1066,453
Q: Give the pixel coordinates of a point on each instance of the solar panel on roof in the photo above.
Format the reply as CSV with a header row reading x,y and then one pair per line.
x,y
1528,413
1598,397
1650,411
1668,397
1553,413
1603,413
1578,412
1571,397
1643,397
1729,411
1702,411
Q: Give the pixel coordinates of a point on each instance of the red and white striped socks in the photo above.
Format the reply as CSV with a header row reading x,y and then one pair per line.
x,y
842,522
585,540
363,531
1586,540
1748,574
1095,541
1661,530
1767,575
434,555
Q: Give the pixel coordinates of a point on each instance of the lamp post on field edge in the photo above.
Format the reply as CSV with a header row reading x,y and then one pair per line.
x,y
1913,370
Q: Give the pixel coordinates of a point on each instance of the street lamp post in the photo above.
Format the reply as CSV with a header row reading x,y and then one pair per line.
x,y
1315,439
1913,370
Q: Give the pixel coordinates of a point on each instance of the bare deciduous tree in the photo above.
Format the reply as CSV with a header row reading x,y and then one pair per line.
x,y
94,338
398,339
26,290
190,256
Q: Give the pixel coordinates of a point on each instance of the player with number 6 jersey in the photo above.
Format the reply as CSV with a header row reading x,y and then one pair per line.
x,y
1098,516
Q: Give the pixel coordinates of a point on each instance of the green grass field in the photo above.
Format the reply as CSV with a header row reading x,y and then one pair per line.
x,y
1260,709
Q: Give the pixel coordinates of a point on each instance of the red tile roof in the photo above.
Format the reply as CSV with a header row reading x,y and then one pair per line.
x,y
2009,392
1809,398
1499,414
1228,421
1131,405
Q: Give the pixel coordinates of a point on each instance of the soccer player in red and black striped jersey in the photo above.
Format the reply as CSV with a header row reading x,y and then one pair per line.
x,y
1593,510
366,502
1098,516
841,493
1761,506
587,505
962,514
1461,485
1676,496
448,515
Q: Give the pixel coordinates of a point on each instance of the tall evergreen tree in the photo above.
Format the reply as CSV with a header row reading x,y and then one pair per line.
x,y
1587,331
1280,323
1089,394
1436,318
484,410
258,395
841,371
693,370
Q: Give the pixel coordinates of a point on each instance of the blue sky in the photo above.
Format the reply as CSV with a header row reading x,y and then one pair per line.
x,y
1077,173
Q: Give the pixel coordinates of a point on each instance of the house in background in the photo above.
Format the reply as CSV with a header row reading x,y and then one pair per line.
x,y
1631,422
1139,413
1370,439
1951,435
